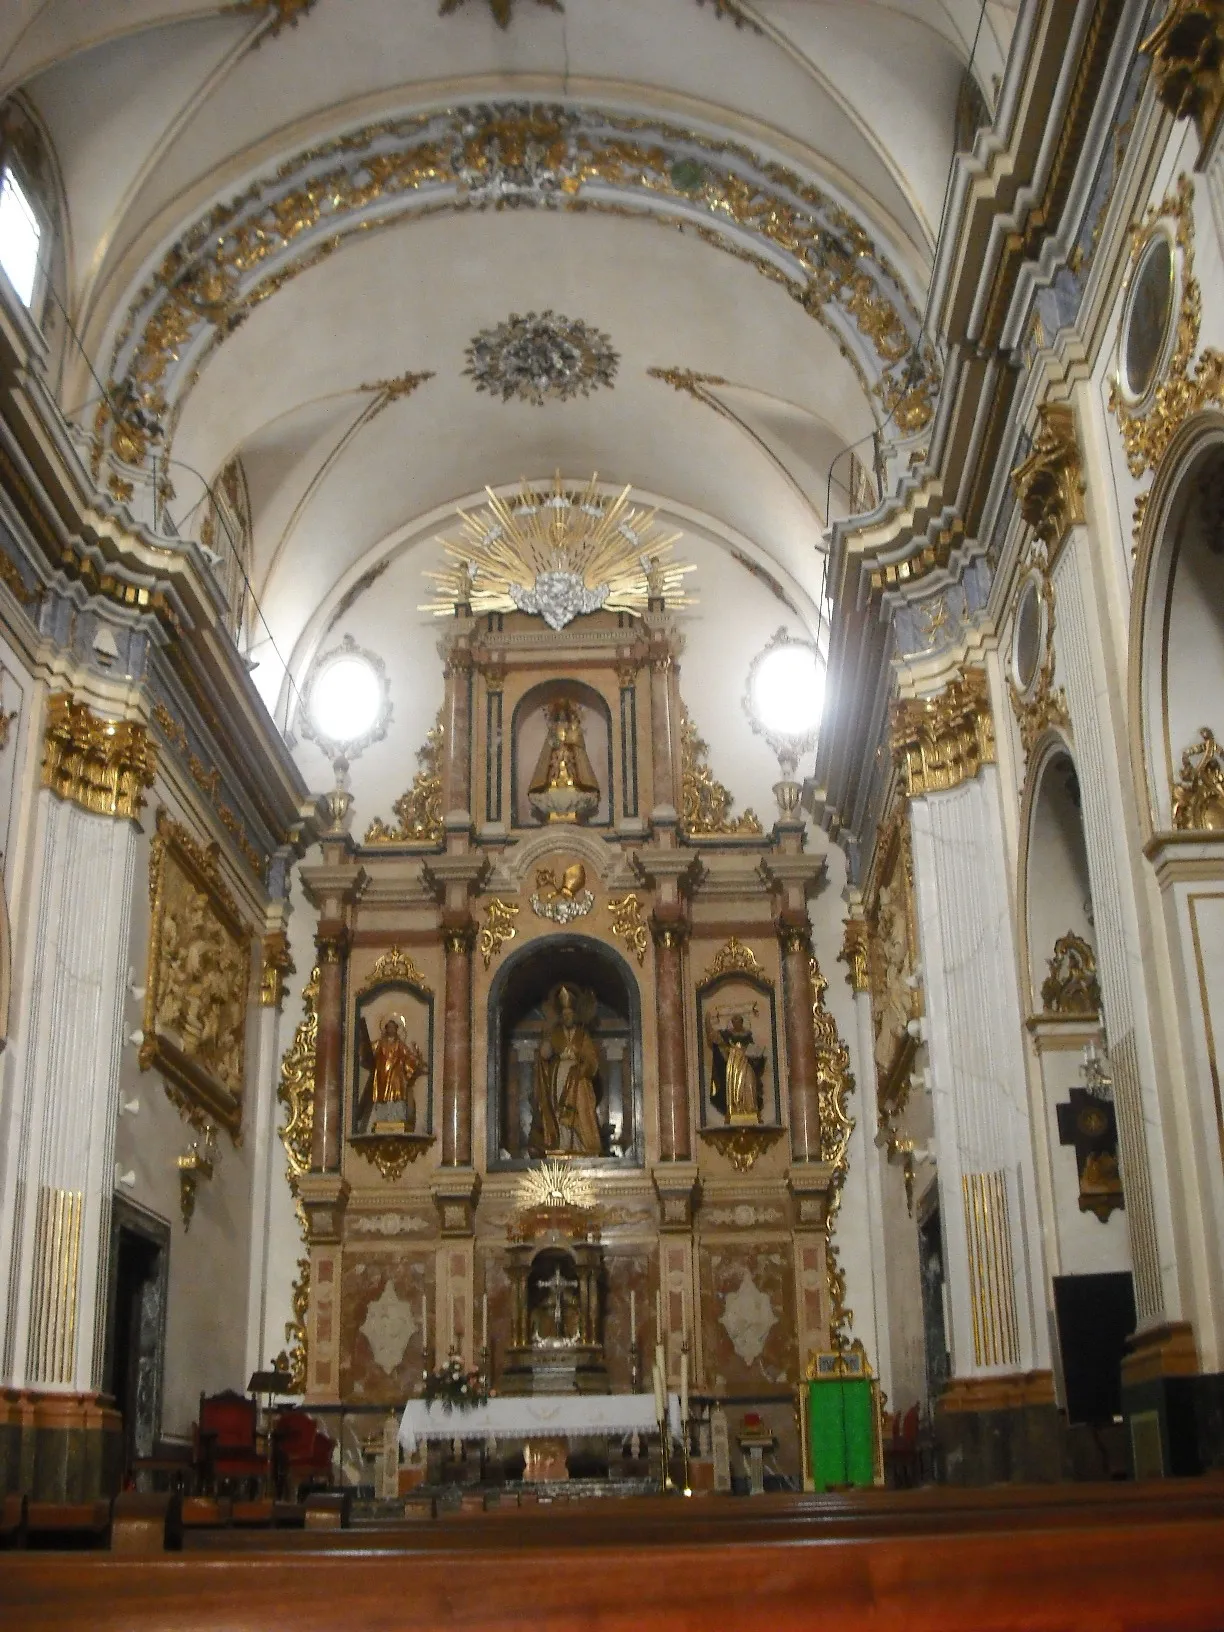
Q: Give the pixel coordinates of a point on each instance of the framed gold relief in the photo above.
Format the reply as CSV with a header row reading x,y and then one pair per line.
x,y
198,986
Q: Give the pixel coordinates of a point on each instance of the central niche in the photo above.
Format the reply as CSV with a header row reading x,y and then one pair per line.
x,y
565,1056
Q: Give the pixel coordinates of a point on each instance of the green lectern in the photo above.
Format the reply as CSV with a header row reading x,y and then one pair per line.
x,y
839,1409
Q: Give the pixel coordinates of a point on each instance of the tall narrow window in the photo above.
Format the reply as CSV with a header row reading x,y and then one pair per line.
x,y
20,233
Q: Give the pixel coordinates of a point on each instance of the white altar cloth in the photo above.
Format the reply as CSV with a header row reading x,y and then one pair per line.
x,y
536,1416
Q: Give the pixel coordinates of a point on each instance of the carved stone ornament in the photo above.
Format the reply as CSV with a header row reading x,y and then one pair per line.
x,y
741,1145
735,959
1198,793
1187,52
1071,987
394,965
541,358
102,765
939,742
626,914
391,1152
498,928
562,899
1041,706
295,1091
418,813
705,805
1050,482
1189,385
199,980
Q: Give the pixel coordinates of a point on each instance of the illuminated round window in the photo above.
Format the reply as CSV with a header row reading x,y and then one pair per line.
x,y
1148,319
1030,634
347,703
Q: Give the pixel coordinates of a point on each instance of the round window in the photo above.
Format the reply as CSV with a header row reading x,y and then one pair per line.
x,y
1026,653
1149,313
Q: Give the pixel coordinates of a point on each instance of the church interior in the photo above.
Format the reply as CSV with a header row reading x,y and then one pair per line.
x,y
611,643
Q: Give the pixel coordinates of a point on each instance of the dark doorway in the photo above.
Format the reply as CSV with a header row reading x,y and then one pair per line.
x,y
1096,1315
136,1324
931,1269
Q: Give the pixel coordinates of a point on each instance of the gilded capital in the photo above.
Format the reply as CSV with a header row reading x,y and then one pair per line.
x,y
459,939
939,742
276,965
102,765
1050,482
1187,52
854,954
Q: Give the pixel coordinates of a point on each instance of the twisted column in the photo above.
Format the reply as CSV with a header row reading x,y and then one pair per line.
x,y
796,945
332,944
459,939
675,1144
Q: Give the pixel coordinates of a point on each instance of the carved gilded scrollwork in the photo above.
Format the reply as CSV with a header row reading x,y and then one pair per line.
x,y
498,928
1050,482
102,765
293,1360
418,813
625,912
1071,987
855,954
939,742
297,1083
741,1146
395,964
735,959
834,1085
277,963
391,1152
705,803
1198,793
1187,52
199,980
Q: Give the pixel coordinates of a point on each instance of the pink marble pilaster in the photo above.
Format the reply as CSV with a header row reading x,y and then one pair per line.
x,y
459,938
332,943
796,944
675,1143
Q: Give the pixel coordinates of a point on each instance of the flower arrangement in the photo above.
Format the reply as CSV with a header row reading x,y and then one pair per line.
x,y
454,1387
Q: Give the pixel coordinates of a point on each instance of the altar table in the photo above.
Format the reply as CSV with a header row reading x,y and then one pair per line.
x,y
537,1416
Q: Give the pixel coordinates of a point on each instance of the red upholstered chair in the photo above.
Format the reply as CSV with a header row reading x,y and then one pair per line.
x,y
302,1453
225,1442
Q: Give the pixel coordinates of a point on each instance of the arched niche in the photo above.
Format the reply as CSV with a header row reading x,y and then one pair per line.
x,y
517,1022
527,729
1177,619
1057,891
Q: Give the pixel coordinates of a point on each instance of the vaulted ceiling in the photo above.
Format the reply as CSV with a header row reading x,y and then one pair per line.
x,y
286,221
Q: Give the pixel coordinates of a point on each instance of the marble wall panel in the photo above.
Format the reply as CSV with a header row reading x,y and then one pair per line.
x,y
381,1349
748,1315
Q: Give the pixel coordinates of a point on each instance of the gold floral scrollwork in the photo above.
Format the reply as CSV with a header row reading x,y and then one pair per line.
x,y
1188,386
735,959
297,1082
102,765
1071,987
292,1361
277,963
834,1085
1050,482
705,804
1187,52
854,954
1043,706
199,980
391,1152
418,812
939,742
741,1146
283,13
1198,793
626,914
498,928
395,964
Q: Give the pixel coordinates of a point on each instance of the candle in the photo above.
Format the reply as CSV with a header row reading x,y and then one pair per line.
x,y
425,1328
684,1382
633,1320
484,1321
660,1407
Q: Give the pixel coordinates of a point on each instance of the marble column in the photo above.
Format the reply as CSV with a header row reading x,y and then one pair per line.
x,y
662,737
459,938
675,1140
332,944
797,999
458,744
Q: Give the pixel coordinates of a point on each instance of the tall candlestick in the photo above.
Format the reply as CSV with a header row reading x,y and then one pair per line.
x,y
684,1387
660,1401
484,1320
425,1330
632,1319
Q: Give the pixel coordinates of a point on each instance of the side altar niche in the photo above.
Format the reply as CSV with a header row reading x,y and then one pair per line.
x,y
563,945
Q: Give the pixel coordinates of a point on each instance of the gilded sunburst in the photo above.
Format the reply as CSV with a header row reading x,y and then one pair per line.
x,y
502,9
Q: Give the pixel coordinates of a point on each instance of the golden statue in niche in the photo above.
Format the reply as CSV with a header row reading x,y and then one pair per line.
x,y
563,788
393,1066
736,1064
565,1117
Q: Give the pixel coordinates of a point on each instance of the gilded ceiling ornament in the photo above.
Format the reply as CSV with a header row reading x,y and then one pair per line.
x,y
553,1183
1188,385
283,13
735,11
561,898
1071,987
1198,793
295,1091
502,10
198,984
854,954
705,803
686,380
626,914
541,358
102,765
393,390
558,553
394,965
1041,706
939,742
1187,52
498,928
489,155
1050,482
735,959
418,812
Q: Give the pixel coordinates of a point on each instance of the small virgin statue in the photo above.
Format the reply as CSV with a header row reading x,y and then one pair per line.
x,y
563,788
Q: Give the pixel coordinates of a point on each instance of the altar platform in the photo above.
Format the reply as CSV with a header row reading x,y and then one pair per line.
x,y
1148,1557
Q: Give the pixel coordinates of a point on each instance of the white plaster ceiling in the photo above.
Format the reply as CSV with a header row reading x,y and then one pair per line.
x,y
159,109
